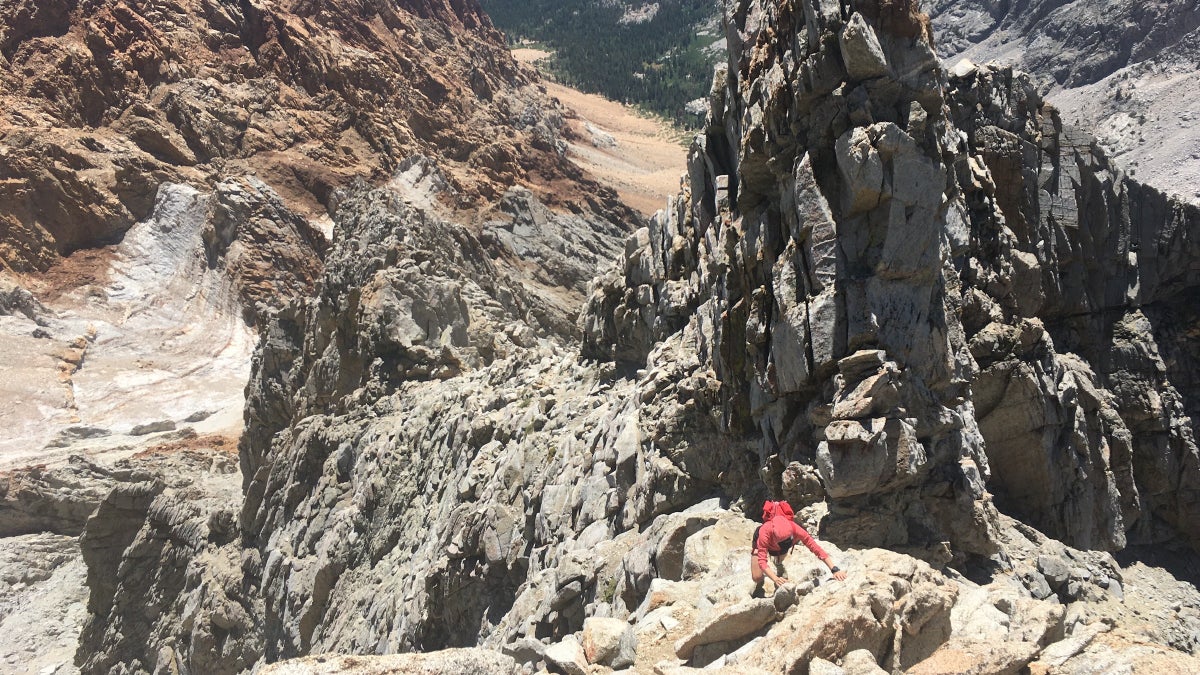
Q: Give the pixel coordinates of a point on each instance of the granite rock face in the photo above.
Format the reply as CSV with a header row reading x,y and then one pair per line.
x,y
1123,70
1075,44
482,421
43,596
57,501
175,510
1105,266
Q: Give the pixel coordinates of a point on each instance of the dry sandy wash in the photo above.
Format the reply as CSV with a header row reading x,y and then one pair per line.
x,y
639,156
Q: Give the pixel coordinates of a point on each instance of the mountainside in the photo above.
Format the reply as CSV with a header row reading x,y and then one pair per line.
x,y
1127,70
913,301
124,95
190,152
167,170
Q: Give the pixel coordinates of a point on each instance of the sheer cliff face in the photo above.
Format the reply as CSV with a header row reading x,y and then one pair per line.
x,y
123,95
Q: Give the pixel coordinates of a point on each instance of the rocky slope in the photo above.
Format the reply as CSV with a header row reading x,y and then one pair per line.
x,y
977,320
1126,71
106,100
912,302
208,139
48,576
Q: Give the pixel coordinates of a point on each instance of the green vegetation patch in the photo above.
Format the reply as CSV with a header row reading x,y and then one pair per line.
x,y
658,60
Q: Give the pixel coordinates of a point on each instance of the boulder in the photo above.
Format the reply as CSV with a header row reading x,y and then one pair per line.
x,y
861,50
152,428
1113,652
976,657
716,546
567,657
861,662
608,642
890,605
730,624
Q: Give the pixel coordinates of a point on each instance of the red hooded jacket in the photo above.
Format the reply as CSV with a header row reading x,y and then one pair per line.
x,y
778,529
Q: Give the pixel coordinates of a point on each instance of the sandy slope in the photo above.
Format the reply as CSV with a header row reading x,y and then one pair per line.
x,y
641,157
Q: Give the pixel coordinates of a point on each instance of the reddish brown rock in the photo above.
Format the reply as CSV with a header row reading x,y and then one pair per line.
x,y
100,104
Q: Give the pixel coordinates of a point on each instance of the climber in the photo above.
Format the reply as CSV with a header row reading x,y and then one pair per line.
x,y
776,536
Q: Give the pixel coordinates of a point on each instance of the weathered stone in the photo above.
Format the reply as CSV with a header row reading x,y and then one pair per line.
x,y
730,624
603,639
707,550
785,597
859,458
978,658
1112,652
861,51
861,662
880,336
1097,81
152,428
820,666
1054,570
450,662
567,657
861,170
53,500
889,605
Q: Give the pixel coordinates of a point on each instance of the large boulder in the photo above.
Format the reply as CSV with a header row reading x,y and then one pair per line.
x,y
609,642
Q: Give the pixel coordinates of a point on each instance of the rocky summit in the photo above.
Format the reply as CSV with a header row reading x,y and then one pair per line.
x,y
532,435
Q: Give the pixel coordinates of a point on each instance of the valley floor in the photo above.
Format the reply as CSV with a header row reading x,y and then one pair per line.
x,y
639,155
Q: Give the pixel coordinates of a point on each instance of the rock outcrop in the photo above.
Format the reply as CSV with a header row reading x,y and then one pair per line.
x,y
43,602
1075,44
52,577
919,287
57,501
1107,266
862,302
177,510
